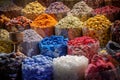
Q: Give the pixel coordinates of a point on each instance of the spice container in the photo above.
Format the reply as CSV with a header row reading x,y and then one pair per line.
x,y
38,67
81,10
19,23
5,44
98,27
30,43
69,67
115,31
32,10
44,25
83,46
113,49
111,12
54,46
8,8
69,27
58,9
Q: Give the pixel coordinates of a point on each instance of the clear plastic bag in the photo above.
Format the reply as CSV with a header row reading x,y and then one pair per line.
x,y
53,46
81,47
30,43
98,27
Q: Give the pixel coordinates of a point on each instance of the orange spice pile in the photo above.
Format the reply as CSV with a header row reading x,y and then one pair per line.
x,y
43,21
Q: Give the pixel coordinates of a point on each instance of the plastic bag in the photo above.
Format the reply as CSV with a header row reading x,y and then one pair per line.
x,y
83,46
53,46
37,68
98,27
30,43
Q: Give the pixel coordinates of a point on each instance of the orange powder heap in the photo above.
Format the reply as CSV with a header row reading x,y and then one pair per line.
x,y
43,21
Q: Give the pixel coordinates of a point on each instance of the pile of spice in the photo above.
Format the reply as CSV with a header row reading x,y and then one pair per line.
x,y
57,7
8,8
3,20
45,23
10,66
69,27
86,46
32,10
70,67
101,68
111,12
53,46
37,68
98,27
19,23
115,31
4,34
30,43
5,43
81,10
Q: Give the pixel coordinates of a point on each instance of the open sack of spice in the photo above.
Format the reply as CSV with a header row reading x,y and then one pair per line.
x,y
5,44
70,67
81,10
37,68
8,8
113,49
86,46
98,27
102,68
58,9
10,66
19,23
70,27
53,46
32,10
30,43
111,12
44,25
